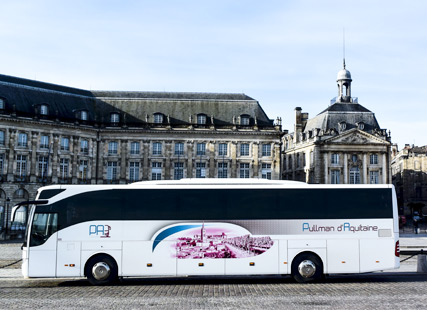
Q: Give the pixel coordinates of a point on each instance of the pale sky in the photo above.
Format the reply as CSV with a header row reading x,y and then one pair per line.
x,y
282,53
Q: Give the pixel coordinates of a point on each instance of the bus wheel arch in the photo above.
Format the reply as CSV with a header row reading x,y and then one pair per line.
x,y
307,267
101,269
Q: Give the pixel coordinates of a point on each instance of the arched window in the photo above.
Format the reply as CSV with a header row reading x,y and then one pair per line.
x,y
342,126
21,193
361,125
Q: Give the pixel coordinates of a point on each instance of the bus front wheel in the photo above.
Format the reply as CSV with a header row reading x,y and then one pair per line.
x,y
307,267
101,270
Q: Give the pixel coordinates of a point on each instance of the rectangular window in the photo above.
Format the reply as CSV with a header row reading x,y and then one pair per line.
x,y
65,144
115,118
354,175
63,168
222,149
44,142
200,170
222,170
201,119
178,172
373,159
266,150
1,163
84,147
179,148
112,148
373,177
201,149
156,171
1,137
244,149
266,171
23,140
21,165
111,170
335,177
244,120
83,170
134,148
157,148
335,159
43,161
134,171
244,170
158,118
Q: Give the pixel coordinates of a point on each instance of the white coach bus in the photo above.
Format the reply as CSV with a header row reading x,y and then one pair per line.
x,y
210,227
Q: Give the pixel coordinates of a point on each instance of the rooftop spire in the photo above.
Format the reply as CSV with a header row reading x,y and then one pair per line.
x,y
343,47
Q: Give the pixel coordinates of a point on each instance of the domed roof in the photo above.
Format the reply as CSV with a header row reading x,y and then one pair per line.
x,y
344,74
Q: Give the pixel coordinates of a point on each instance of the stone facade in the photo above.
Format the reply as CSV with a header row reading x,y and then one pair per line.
x,y
341,145
409,169
52,134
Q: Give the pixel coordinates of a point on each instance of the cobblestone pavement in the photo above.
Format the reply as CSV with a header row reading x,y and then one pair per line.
x,y
402,289
9,253
380,291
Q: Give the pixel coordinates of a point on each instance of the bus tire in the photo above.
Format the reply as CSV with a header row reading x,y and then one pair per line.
x,y
101,270
307,267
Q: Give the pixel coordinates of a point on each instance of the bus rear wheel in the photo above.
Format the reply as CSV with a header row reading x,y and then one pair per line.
x,y
307,267
101,270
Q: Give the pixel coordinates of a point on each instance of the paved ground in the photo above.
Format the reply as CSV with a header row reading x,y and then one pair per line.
x,y
403,289
395,291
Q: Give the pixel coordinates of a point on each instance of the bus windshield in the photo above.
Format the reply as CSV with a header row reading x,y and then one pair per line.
x,y
44,225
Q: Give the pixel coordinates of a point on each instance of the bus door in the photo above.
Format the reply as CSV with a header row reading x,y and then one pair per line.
x,y
68,257
42,245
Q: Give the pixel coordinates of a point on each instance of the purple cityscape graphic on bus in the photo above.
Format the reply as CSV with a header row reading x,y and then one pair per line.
x,y
217,242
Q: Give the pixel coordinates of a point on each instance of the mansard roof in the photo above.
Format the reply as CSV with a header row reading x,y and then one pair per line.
x,y
22,96
349,113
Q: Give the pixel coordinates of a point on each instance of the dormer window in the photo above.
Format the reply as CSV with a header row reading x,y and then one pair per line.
x,y
83,115
2,104
342,126
158,118
360,125
44,109
115,118
201,119
244,119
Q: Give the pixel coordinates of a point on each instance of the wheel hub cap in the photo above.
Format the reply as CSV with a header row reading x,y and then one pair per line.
x,y
307,268
101,271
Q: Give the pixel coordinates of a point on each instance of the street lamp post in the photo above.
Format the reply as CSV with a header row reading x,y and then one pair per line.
x,y
7,216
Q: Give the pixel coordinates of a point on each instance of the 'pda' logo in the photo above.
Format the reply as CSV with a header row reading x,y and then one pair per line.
x,y
103,231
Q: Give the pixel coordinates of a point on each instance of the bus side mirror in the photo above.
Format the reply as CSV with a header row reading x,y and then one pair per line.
x,y
12,215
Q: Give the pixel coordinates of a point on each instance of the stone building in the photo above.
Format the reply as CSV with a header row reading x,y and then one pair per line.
x,y
343,144
53,134
409,170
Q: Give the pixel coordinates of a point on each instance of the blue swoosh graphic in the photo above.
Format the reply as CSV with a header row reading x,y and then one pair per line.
x,y
170,231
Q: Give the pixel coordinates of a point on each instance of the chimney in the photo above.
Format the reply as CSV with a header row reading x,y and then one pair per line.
x,y
298,124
